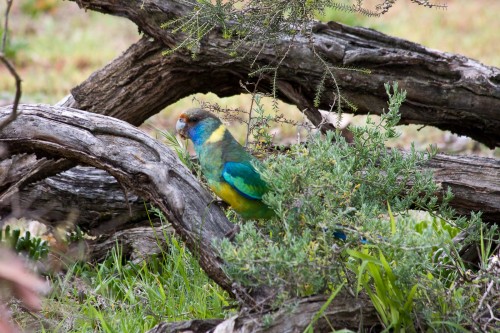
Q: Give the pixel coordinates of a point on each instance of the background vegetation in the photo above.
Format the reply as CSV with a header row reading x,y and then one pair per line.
x,y
345,219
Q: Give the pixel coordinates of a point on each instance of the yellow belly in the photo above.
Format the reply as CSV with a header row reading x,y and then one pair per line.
x,y
227,193
247,208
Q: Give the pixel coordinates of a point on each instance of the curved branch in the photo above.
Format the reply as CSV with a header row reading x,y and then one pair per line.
x,y
138,162
445,90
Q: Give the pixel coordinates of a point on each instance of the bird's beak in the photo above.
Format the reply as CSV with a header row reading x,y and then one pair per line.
x,y
180,128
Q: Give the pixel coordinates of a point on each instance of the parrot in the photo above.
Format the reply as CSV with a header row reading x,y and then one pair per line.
x,y
228,168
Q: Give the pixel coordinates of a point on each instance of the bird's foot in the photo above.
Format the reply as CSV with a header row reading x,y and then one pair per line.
x,y
221,204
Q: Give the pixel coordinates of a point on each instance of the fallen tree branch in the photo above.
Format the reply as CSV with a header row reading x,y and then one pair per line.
x,y
345,312
445,90
138,162
474,182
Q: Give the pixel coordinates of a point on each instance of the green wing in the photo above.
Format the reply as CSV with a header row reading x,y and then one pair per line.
x,y
245,179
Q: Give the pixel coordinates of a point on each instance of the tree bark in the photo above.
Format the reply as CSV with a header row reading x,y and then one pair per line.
x,y
474,182
138,162
342,313
103,208
445,90
95,199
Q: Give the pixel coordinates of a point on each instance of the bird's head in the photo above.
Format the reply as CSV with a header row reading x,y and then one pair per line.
x,y
196,124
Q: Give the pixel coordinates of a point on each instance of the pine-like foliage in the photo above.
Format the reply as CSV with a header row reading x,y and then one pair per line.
x,y
263,20
255,24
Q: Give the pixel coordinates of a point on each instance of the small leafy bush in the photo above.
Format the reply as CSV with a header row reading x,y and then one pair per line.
x,y
346,214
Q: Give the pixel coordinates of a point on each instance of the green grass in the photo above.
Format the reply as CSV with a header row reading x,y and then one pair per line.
x,y
120,296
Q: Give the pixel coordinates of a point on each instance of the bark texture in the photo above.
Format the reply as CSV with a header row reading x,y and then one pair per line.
x,y
445,90
138,162
103,206
342,313
474,182
98,203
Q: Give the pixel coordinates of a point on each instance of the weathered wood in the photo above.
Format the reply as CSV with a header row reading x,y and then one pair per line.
x,y
344,312
474,182
139,163
445,90
95,199
102,206
137,243
20,170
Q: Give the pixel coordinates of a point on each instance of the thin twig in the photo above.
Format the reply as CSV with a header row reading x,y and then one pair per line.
x,y
481,301
6,25
11,69
249,127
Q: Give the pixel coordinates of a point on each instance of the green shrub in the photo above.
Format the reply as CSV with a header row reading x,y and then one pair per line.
x,y
346,215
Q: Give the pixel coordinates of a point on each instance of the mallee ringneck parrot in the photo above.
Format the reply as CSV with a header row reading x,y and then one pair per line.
x,y
227,166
